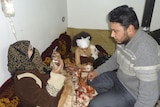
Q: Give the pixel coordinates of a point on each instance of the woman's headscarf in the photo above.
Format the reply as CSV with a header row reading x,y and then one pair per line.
x,y
18,58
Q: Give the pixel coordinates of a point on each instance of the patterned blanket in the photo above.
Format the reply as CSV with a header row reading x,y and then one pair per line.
x,y
76,92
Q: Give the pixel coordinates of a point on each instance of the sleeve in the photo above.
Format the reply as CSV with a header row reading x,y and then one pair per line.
x,y
147,67
55,83
32,94
109,65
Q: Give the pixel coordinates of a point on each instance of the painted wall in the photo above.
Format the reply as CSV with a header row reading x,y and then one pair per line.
x,y
92,13
39,21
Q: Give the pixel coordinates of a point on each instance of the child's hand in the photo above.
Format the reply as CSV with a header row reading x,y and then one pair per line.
x,y
87,67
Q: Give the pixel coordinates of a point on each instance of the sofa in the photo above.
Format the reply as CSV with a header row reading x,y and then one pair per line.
x,y
99,36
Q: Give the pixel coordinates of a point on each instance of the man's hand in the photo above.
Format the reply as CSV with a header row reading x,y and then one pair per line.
x,y
92,75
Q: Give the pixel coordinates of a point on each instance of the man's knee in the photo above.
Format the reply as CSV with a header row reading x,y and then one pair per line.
x,y
93,103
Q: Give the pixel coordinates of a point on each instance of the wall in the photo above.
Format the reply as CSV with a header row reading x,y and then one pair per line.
x,y
92,13
39,21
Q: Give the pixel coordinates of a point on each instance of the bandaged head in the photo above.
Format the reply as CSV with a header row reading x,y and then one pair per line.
x,y
83,42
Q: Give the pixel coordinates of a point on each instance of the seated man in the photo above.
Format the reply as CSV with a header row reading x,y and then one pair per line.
x,y
137,60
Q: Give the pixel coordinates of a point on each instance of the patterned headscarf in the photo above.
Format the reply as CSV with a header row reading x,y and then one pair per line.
x,y
18,58
40,65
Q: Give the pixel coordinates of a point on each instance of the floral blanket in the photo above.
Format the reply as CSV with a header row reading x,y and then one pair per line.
x,y
80,93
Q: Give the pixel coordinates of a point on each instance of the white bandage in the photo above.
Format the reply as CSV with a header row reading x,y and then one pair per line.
x,y
83,42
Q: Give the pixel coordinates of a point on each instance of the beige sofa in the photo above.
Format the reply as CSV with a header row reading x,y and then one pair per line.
x,y
99,36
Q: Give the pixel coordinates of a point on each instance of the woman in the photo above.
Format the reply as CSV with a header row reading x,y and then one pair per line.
x,y
32,87
85,52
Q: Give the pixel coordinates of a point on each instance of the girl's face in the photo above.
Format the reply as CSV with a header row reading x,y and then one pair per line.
x,y
30,51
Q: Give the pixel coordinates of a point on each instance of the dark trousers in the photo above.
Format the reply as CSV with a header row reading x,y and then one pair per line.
x,y
111,93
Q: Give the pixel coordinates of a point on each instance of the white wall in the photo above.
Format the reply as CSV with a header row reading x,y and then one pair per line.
x,y
92,13
39,21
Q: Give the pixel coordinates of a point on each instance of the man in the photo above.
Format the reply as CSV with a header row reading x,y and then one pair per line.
x,y
134,66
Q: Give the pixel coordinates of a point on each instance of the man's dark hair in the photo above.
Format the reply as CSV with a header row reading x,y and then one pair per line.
x,y
125,16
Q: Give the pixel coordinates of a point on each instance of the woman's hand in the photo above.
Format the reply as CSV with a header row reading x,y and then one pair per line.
x,y
58,63
92,75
